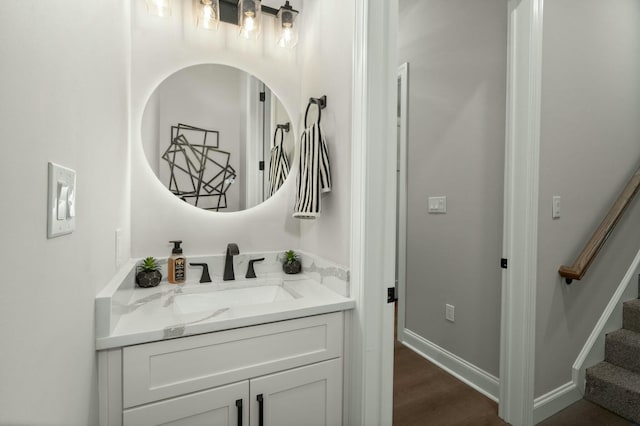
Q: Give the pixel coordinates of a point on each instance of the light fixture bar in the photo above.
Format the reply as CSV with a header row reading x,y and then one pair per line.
x,y
229,11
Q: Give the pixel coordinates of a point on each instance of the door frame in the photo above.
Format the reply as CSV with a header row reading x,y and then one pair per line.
x,y
403,132
520,232
373,213
373,223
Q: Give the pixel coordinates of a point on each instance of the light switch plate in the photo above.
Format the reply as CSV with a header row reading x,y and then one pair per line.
x,y
555,207
437,205
61,201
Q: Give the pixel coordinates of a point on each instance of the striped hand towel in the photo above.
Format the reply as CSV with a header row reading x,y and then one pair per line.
x,y
278,167
314,173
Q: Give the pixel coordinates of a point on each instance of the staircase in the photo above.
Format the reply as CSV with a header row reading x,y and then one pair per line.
x,y
615,383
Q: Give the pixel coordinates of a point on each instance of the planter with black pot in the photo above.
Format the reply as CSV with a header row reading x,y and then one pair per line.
x,y
149,274
291,264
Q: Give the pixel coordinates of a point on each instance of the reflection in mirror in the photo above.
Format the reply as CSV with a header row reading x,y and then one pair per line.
x,y
217,137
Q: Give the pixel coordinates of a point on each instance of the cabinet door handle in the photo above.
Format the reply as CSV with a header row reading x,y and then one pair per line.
x,y
239,405
260,410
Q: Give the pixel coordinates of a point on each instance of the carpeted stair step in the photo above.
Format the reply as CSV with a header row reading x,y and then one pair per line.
x,y
631,315
622,348
614,388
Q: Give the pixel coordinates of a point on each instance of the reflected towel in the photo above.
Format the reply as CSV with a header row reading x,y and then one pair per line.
x,y
314,173
278,167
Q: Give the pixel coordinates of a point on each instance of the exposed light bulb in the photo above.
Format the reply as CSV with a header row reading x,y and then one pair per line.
x,y
208,14
159,7
249,18
286,38
286,29
249,26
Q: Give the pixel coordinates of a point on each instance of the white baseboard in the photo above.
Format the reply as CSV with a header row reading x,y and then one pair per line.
x,y
473,376
551,402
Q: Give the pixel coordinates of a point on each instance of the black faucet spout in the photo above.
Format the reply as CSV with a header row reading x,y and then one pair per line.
x,y
232,250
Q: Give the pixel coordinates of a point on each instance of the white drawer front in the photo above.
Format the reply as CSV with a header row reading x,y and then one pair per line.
x,y
169,368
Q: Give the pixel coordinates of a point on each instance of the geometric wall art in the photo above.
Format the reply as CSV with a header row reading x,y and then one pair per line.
x,y
200,173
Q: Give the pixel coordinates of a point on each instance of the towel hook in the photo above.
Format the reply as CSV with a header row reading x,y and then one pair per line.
x,y
275,135
320,102
283,128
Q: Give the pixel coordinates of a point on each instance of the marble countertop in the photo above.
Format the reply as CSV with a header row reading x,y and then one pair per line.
x,y
140,315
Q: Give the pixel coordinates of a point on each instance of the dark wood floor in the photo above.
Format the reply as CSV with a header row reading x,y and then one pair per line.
x,y
425,395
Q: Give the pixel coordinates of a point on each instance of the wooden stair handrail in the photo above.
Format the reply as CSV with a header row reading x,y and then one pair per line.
x,y
591,249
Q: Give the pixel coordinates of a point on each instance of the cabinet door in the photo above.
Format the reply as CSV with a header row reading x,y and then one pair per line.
x,y
222,406
305,396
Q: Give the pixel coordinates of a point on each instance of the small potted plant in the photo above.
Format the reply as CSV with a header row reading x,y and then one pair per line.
x,y
149,274
291,264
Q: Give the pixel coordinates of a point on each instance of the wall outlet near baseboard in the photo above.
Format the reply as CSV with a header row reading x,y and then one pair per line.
x,y
450,313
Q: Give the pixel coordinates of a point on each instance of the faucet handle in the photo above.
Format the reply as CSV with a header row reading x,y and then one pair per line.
x,y
251,273
204,278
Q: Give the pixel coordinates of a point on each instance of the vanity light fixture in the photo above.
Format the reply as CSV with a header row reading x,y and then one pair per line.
x,y
249,16
159,7
286,27
207,14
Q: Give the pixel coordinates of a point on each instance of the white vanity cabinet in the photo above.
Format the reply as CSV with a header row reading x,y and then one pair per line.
x,y
308,396
288,371
224,405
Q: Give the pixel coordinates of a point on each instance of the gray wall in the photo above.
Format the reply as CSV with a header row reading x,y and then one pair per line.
x,y
456,51
590,146
63,98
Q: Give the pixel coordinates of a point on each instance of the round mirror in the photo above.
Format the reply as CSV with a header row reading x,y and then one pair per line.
x,y
217,137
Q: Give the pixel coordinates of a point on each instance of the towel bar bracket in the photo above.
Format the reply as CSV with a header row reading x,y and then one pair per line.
x,y
321,101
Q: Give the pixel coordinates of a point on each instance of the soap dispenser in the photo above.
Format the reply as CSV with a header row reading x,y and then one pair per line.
x,y
177,264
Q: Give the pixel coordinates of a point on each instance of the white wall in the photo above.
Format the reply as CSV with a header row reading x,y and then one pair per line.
x,y
161,46
151,132
63,98
590,147
456,51
327,70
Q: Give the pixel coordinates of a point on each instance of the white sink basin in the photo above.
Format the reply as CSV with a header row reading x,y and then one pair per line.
x,y
229,298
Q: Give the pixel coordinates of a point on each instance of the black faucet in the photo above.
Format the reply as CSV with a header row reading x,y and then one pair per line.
x,y
232,250
205,277
251,273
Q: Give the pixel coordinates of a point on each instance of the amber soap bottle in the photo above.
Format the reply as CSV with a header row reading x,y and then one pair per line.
x,y
177,264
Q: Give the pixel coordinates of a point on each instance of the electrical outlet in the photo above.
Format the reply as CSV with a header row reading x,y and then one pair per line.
x,y
450,313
